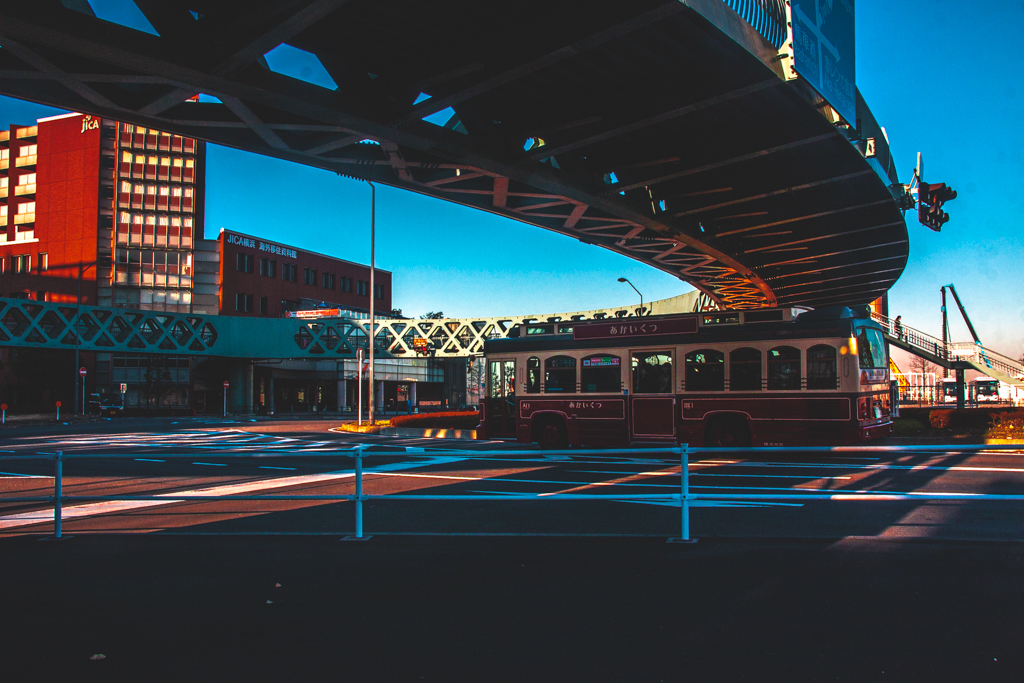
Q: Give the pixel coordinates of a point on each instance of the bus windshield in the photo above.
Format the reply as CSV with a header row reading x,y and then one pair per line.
x,y
987,388
871,348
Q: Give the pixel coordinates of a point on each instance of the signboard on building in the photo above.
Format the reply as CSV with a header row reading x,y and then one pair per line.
x,y
260,245
634,327
315,313
824,51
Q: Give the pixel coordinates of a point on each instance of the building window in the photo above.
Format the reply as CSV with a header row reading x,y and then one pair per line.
x,y
268,267
243,303
243,262
44,262
380,291
363,288
346,284
328,280
22,263
289,271
309,276
264,306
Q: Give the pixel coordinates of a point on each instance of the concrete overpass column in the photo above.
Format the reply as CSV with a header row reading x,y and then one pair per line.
x,y
960,389
240,389
270,397
342,394
380,395
412,398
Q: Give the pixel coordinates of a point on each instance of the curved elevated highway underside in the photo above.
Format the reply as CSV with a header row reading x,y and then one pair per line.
x,y
666,131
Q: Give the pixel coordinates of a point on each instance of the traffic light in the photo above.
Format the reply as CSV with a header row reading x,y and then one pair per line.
x,y
931,197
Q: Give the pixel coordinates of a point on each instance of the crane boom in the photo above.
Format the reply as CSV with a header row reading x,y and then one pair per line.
x,y
963,312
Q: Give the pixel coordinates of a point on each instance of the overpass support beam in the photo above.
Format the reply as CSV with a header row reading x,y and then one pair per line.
x,y
960,389
270,394
342,394
240,391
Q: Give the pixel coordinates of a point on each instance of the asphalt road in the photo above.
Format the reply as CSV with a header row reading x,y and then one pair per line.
x,y
217,458
509,590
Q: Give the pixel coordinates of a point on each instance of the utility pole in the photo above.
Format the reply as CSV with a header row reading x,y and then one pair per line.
x,y
78,341
373,292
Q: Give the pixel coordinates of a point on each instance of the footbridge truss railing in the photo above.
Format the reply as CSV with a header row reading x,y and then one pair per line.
x,y
951,354
38,324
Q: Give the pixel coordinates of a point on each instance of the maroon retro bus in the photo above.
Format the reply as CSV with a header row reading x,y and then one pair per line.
x,y
765,377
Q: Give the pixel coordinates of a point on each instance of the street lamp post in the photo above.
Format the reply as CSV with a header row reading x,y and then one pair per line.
x,y
622,279
78,341
373,292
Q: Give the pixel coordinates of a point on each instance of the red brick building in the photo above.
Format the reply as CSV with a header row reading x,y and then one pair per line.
x,y
264,278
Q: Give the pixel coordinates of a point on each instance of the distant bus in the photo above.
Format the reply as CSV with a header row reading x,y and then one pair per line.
x,y
986,390
766,377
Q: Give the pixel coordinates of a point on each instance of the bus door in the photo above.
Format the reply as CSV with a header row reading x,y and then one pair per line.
x,y
653,401
501,398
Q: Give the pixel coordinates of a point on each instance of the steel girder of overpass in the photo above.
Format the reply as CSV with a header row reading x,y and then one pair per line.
x,y
49,325
671,131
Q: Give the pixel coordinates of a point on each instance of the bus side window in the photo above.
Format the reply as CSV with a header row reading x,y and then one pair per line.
x,y
652,372
494,385
784,368
533,375
560,374
745,370
601,373
705,370
821,367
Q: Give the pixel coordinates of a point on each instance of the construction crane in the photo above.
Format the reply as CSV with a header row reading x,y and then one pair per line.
x,y
963,312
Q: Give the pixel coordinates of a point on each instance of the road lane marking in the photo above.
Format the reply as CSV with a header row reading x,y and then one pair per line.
x,y
268,467
149,460
211,464
27,476
106,507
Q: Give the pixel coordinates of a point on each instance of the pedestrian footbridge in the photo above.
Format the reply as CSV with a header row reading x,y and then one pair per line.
x,y
39,324
952,355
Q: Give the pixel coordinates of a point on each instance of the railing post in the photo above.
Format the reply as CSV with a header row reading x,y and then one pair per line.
x,y
684,495
58,492
359,492
684,479
359,497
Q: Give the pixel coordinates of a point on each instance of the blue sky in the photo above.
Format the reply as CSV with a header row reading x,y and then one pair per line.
x,y
942,77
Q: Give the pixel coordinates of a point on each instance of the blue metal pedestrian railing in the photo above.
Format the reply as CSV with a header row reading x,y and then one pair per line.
x,y
685,497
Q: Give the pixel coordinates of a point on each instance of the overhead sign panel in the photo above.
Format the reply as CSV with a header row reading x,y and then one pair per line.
x,y
824,51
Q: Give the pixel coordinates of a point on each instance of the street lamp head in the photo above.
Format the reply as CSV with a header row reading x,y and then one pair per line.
x,y
622,279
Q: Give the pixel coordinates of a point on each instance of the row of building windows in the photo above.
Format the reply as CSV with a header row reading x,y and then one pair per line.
x,y
21,264
166,169
244,303
156,197
244,263
153,268
143,138
26,185
26,157
704,371
154,230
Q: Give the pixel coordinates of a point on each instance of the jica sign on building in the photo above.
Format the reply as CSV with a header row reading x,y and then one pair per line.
x,y
261,245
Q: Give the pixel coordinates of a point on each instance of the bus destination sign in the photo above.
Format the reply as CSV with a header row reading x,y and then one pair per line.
x,y
634,327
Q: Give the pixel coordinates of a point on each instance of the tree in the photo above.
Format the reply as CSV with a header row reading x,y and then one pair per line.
x,y
397,312
432,315
921,366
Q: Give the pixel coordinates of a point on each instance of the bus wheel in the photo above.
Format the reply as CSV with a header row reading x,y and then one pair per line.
x,y
727,432
551,435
